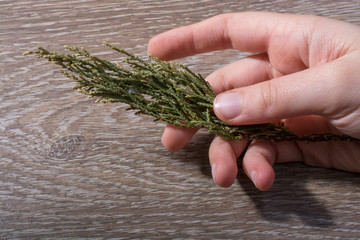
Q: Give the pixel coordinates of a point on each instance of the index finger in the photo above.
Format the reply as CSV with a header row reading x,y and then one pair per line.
x,y
247,31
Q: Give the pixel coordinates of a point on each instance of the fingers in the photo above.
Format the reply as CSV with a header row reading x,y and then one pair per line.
x,y
244,72
175,138
223,156
321,90
247,31
257,164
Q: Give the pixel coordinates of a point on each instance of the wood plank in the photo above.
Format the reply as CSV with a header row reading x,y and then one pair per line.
x,y
70,168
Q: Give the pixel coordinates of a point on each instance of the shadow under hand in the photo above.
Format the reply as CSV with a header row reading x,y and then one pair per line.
x,y
197,152
300,193
288,198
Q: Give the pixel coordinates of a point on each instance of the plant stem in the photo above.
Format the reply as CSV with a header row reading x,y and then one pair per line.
x,y
167,91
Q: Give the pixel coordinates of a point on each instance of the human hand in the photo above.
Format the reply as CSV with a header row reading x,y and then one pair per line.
x,y
305,74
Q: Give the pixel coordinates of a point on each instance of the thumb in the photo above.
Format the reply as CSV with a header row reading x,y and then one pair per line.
x,y
330,90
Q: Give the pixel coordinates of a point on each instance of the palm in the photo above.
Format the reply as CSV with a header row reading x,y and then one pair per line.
x,y
287,59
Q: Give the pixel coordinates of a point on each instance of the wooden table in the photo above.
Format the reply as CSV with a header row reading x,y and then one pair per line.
x,y
70,168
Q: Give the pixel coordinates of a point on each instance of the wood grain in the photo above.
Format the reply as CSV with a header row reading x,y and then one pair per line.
x,y
73,169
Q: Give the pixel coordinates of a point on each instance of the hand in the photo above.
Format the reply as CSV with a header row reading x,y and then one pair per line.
x,y
305,73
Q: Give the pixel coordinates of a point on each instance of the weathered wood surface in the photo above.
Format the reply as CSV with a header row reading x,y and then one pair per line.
x,y
71,168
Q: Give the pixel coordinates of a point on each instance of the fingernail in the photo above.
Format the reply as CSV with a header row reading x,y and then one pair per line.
x,y
228,105
213,166
253,176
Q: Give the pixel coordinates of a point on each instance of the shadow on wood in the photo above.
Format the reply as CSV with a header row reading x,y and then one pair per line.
x,y
293,194
289,197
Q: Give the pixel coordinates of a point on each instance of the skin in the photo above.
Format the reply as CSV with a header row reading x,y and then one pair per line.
x,y
305,73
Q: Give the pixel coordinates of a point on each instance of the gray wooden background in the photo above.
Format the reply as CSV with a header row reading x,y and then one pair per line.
x,y
70,168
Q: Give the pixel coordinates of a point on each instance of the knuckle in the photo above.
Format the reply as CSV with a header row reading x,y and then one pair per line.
x,y
219,81
269,98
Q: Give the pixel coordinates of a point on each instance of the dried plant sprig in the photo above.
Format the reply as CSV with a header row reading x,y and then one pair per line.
x,y
168,91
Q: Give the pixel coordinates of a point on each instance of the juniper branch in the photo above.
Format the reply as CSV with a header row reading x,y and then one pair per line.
x,y
168,91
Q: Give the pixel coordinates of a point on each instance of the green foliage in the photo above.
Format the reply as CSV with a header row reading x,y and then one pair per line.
x,y
167,91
